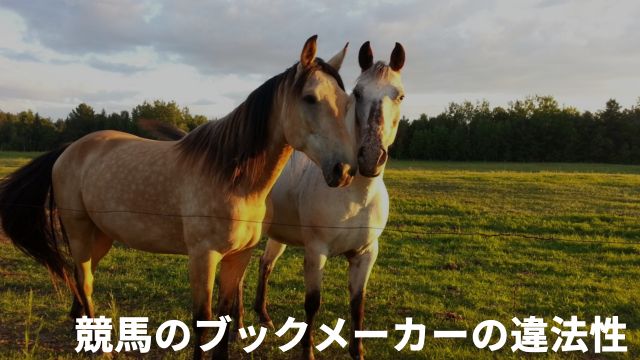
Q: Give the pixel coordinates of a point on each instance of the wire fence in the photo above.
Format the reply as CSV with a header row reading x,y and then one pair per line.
x,y
388,228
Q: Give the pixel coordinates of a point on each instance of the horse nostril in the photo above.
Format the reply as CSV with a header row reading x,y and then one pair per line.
x,y
338,169
382,158
348,170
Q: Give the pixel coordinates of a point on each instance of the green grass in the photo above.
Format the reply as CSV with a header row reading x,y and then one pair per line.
x,y
442,281
11,160
517,167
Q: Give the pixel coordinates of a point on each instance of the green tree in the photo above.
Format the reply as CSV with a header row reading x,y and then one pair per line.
x,y
167,112
81,121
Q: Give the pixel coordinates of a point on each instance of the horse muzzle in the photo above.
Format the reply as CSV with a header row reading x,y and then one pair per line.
x,y
340,175
371,162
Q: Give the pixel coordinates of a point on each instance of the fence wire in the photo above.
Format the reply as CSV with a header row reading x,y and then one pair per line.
x,y
388,228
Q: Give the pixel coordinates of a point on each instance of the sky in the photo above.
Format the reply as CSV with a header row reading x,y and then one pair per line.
x,y
209,55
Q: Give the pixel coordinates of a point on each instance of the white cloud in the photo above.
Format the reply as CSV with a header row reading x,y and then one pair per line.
x,y
209,55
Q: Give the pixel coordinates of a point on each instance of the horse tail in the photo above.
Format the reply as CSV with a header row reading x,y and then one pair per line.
x,y
29,217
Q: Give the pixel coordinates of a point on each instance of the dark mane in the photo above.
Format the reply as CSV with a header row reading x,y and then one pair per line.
x,y
234,148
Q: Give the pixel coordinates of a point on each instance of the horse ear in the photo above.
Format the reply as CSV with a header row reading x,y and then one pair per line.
x,y
397,58
309,51
365,56
336,61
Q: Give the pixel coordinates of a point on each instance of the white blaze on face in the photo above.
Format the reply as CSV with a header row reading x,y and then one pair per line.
x,y
391,108
379,93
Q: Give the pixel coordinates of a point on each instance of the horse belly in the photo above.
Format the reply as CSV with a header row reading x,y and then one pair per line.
x,y
288,233
153,233
283,223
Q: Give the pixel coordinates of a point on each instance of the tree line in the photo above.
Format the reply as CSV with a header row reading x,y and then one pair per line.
x,y
26,131
536,129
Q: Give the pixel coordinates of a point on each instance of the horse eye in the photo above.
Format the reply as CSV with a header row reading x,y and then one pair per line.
x,y
310,99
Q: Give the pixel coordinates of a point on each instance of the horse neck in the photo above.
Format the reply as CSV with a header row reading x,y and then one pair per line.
x,y
367,186
277,154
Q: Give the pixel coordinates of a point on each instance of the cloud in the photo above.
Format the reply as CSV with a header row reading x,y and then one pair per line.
x,y
79,27
107,96
203,102
115,67
581,51
19,55
8,92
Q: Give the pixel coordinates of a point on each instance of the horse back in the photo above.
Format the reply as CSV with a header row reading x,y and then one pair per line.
x,y
129,187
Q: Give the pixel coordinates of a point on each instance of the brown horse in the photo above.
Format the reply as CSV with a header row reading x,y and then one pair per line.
x,y
203,196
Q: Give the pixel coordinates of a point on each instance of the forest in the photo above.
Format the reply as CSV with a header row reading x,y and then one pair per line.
x,y
535,129
26,131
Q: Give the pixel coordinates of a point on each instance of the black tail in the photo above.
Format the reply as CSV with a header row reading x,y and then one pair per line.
x,y
27,218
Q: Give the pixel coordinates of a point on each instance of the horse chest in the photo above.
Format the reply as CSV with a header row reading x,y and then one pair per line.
x,y
357,227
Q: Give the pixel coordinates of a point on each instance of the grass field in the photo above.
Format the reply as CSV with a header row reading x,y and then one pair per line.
x,y
443,281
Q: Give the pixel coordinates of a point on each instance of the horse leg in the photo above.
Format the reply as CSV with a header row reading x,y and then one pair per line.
x,y
237,314
314,262
268,260
202,268
82,234
232,270
76,308
101,246
238,310
360,266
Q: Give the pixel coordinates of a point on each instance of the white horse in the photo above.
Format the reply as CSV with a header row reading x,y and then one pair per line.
x,y
347,221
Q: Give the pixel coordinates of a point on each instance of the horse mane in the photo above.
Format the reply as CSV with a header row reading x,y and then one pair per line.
x,y
234,148
380,69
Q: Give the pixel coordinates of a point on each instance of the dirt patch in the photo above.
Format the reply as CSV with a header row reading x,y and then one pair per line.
x,y
449,315
451,266
527,273
454,290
